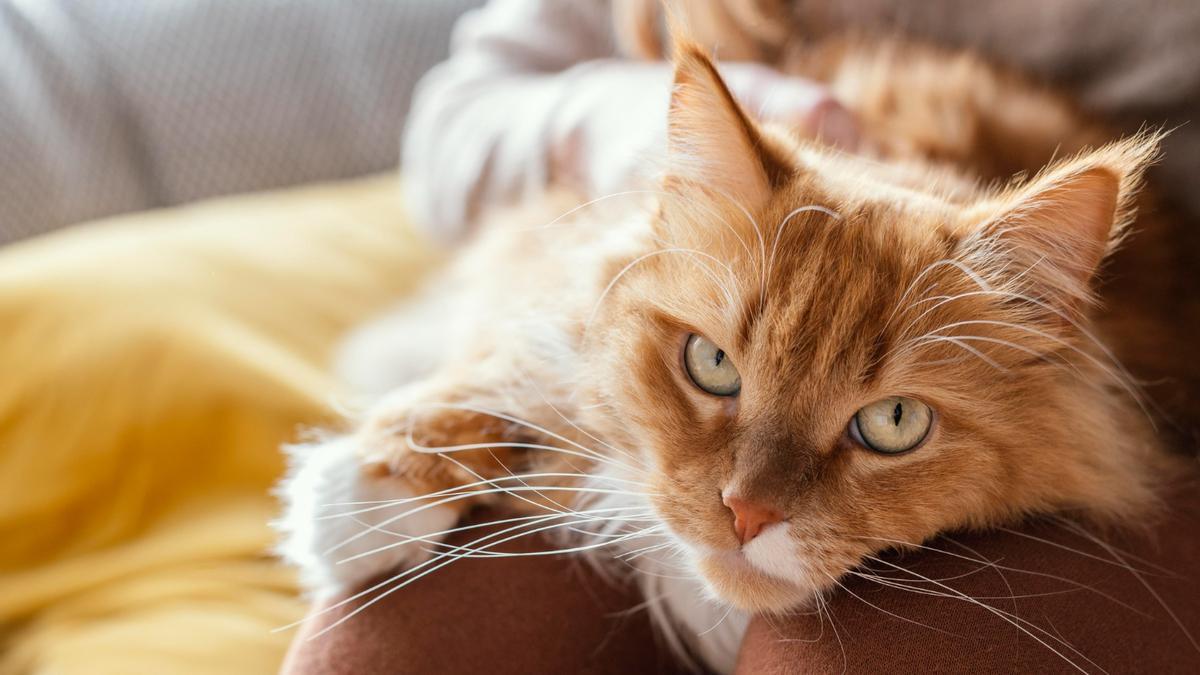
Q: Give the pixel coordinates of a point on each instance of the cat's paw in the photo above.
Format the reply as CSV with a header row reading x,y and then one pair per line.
x,y
337,527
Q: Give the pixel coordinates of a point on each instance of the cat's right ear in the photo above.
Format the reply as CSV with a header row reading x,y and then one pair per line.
x,y
712,145
1054,231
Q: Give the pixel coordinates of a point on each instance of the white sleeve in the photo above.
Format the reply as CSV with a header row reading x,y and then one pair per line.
x,y
532,91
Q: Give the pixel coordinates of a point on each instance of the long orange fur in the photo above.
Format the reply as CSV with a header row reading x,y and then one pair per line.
x,y
918,267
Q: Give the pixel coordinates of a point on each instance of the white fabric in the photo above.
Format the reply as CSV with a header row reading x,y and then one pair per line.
x,y
538,91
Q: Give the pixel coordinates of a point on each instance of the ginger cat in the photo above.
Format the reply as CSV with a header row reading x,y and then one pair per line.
x,y
786,359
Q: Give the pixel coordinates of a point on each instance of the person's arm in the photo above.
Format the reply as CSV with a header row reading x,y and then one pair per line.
x,y
485,123
534,93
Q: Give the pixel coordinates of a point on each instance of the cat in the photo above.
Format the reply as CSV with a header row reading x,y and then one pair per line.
x,y
784,359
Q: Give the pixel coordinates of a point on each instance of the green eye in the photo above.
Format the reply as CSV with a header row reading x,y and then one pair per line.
x,y
710,368
891,426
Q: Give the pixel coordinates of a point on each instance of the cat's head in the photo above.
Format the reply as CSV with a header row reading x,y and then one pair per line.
x,y
821,356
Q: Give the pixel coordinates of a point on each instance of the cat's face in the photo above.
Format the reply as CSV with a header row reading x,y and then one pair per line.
x,y
818,364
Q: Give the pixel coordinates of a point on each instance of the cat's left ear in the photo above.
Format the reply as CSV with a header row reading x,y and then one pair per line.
x,y
712,144
1056,230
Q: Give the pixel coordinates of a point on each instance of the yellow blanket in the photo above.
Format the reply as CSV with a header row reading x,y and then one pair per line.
x,y
150,368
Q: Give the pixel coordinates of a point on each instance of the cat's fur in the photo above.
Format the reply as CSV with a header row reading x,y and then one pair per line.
x,y
832,281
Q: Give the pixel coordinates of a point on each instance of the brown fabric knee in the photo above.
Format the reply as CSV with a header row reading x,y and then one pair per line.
x,y
541,614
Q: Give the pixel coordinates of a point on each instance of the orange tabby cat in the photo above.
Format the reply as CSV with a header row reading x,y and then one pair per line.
x,y
786,359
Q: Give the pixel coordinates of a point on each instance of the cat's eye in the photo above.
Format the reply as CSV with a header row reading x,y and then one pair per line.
x,y
710,368
893,425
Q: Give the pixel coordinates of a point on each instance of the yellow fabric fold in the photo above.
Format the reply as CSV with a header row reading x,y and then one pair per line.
x,y
151,366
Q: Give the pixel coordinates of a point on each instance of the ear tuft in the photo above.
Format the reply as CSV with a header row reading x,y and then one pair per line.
x,y
711,143
1059,226
1071,219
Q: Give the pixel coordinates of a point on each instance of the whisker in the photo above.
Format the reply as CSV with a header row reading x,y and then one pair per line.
x,y
530,425
970,274
1119,378
502,490
439,449
779,232
400,575
717,624
451,558
750,218
994,565
836,633
958,342
532,383
633,263
470,553
1007,617
460,488
1080,530
926,591
1150,589
569,212
762,246
434,538
630,555
877,607
1064,547
551,500
587,517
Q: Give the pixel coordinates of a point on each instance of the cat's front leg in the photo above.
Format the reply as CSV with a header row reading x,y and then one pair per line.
x,y
382,498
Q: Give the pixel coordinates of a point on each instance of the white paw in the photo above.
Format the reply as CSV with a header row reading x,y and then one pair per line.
x,y
337,541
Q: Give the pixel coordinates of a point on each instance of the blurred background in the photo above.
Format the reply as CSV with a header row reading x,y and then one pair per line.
x,y
111,107
153,364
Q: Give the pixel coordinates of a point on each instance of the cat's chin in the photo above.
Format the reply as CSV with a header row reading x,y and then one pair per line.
x,y
731,576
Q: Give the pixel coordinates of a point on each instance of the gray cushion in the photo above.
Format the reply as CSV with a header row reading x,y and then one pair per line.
x,y
108,107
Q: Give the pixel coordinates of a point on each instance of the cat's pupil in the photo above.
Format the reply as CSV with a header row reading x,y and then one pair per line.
x,y
719,357
897,413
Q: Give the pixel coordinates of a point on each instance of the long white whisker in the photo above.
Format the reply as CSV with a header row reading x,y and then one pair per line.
x,y
1007,617
568,213
762,247
997,566
779,232
451,558
717,624
555,503
401,575
970,273
613,282
452,498
877,607
647,531
434,538
462,489
545,399
957,341
1111,550
1115,376
729,227
587,452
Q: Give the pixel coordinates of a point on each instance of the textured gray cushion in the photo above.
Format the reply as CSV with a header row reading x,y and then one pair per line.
x,y
109,106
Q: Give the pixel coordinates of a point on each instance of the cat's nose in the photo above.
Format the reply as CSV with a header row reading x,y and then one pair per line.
x,y
750,518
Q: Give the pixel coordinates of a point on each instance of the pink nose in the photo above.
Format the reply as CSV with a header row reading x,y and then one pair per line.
x,y
749,518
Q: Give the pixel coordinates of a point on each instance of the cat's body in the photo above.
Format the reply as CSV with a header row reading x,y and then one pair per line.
x,y
831,281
